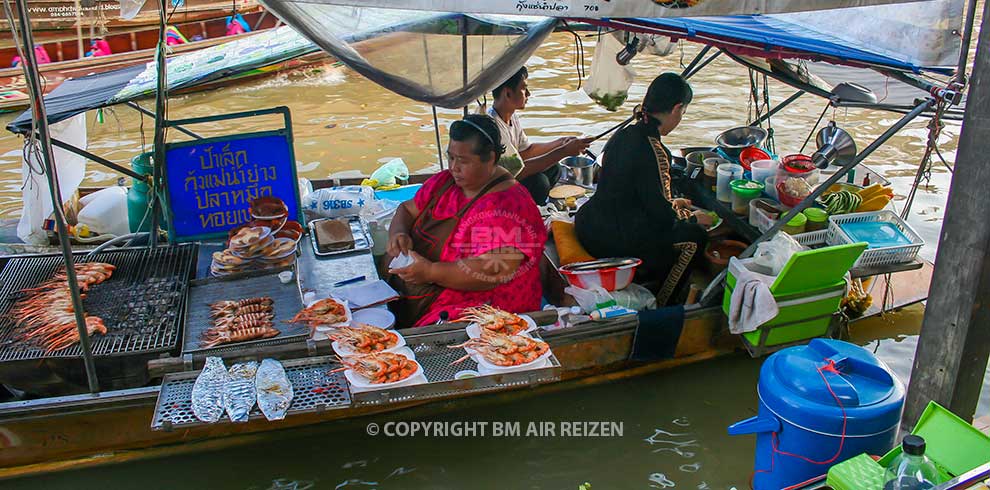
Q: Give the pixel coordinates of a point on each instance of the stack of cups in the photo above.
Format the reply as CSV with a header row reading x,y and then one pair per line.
x,y
727,172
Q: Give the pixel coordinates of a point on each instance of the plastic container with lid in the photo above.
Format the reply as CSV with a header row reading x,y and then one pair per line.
x,y
817,219
764,169
820,404
800,166
727,172
744,191
796,225
911,470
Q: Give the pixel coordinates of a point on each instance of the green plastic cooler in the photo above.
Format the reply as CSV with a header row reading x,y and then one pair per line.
x,y
808,290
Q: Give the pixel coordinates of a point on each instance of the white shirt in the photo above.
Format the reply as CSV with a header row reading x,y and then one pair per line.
x,y
514,139
512,133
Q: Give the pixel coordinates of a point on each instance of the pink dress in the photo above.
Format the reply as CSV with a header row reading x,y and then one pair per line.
x,y
507,218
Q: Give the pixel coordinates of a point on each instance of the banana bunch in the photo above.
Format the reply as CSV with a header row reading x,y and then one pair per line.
x,y
842,202
874,198
857,301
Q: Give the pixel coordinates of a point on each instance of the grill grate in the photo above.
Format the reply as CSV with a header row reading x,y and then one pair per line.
x,y
314,389
201,294
142,304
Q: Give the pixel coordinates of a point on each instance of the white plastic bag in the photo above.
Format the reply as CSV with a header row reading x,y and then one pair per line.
x,y
773,254
589,299
388,173
609,82
333,202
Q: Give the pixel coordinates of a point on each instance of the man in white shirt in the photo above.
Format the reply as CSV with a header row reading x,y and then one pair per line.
x,y
540,170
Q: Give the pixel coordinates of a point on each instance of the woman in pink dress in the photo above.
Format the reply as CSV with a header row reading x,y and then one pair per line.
x,y
474,234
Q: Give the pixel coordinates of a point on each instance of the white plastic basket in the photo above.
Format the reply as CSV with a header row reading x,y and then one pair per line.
x,y
812,238
882,255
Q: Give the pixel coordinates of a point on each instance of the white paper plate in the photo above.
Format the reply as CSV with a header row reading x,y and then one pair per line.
x,y
486,367
474,330
345,350
361,383
378,317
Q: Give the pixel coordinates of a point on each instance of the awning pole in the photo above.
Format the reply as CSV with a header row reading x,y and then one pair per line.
x,y
160,97
436,131
967,38
146,112
464,55
697,58
40,117
703,64
713,287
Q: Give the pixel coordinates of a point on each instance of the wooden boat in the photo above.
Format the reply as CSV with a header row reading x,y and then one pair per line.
x,y
81,430
131,48
53,20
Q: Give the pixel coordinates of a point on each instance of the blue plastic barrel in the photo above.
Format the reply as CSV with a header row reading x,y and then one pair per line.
x,y
820,404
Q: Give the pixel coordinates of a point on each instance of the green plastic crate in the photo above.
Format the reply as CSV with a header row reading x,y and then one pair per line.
x,y
808,290
952,444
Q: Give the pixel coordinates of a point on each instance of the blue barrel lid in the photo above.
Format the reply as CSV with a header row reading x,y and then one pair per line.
x,y
800,385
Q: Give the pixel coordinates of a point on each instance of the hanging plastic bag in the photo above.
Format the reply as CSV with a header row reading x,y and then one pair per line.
x,y
511,160
387,174
130,8
772,255
609,82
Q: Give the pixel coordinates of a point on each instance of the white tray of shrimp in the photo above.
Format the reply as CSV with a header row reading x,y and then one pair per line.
x,y
345,348
489,366
360,383
497,320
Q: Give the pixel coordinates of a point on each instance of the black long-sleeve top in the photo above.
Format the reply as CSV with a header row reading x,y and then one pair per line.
x,y
629,214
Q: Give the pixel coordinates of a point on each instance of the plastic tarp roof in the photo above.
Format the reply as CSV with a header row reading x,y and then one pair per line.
x,y
199,67
768,36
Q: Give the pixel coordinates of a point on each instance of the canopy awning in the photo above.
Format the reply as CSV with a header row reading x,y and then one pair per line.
x,y
771,37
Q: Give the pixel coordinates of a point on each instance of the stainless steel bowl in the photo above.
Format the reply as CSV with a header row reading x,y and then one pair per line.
x,y
733,141
579,170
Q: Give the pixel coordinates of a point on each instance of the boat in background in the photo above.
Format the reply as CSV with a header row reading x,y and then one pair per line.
x,y
58,20
131,48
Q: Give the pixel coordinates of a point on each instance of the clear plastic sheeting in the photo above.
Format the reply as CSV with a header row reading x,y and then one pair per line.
x,y
443,59
609,8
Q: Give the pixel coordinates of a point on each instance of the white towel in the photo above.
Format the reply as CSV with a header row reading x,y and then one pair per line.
x,y
752,304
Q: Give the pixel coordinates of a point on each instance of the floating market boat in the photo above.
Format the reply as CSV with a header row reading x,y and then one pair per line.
x,y
147,367
129,49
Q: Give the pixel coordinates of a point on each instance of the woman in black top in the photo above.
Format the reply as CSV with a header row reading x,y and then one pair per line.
x,y
633,213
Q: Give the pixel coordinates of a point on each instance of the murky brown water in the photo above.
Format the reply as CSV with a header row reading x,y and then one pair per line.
x,y
343,122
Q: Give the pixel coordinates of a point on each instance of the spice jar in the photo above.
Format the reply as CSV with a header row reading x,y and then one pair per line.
x,y
796,225
817,219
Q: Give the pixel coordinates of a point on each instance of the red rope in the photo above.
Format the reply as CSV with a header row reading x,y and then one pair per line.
x,y
774,442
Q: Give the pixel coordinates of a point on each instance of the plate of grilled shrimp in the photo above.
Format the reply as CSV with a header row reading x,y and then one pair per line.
x,y
491,319
359,338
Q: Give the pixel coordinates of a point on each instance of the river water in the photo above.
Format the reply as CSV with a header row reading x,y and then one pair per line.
x,y
673,422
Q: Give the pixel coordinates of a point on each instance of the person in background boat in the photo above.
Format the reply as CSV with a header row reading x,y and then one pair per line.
x,y
40,55
237,25
633,212
540,170
99,47
473,232
173,37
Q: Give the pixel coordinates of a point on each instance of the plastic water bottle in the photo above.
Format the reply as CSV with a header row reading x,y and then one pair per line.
x,y
911,470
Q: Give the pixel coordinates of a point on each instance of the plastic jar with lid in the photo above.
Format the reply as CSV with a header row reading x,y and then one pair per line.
x,y
744,191
817,219
800,166
796,225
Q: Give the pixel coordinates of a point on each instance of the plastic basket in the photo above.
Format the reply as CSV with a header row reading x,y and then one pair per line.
x,y
881,255
811,239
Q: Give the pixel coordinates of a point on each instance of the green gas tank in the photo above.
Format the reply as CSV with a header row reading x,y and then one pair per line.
x,y
138,197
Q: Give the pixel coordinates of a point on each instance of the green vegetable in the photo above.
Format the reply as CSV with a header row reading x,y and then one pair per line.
x,y
512,163
584,486
610,101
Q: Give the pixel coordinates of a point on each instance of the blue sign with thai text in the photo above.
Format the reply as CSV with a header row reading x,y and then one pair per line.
x,y
211,183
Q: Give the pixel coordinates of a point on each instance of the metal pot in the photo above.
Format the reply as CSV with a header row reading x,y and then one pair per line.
x,y
579,170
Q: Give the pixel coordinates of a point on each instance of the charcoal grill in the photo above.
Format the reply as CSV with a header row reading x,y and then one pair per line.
x,y
142,305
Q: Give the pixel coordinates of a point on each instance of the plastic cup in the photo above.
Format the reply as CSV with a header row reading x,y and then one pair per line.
x,y
727,172
770,188
711,164
285,277
763,169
